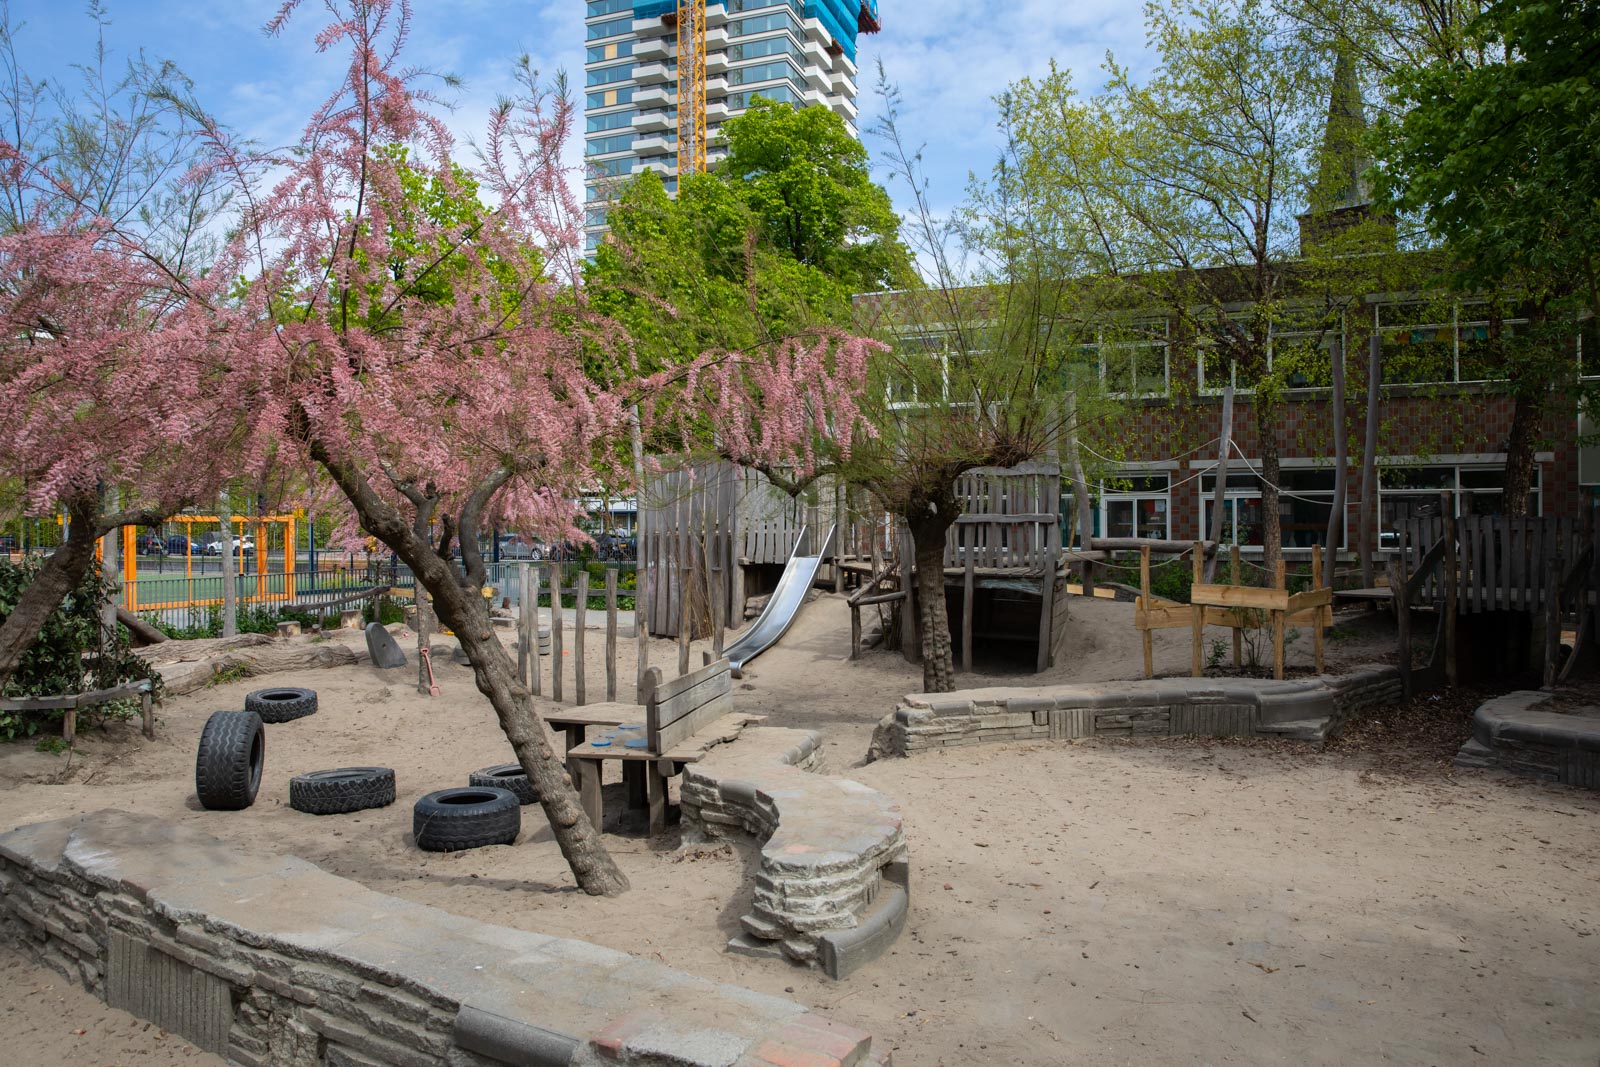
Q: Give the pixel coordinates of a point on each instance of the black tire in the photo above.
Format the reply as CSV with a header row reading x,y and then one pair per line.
x,y
282,704
454,819
343,790
227,766
507,776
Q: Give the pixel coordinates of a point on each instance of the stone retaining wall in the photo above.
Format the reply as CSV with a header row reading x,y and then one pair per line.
x,y
272,962
1310,709
1517,733
833,887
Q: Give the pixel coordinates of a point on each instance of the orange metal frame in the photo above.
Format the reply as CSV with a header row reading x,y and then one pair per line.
x,y
130,560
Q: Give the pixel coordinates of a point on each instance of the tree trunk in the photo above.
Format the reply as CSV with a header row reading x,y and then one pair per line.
x,y
60,574
1526,420
1271,478
596,872
933,618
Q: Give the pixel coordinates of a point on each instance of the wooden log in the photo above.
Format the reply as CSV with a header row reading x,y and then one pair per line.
x,y
557,651
1238,634
147,715
142,632
611,633
855,631
1369,462
580,628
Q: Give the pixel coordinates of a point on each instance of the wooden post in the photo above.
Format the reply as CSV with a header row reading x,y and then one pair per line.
x,y
1369,463
1238,635
556,651
1316,625
718,609
1219,499
611,633
1402,609
683,614
1080,492
1197,659
1452,592
1144,593
527,620
536,655
69,725
968,591
1341,478
1280,581
1552,618
579,630
147,715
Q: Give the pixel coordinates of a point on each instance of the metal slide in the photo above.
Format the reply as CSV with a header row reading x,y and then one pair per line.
x,y
783,606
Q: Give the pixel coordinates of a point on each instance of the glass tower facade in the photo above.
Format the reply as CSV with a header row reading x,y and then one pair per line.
x,y
800,52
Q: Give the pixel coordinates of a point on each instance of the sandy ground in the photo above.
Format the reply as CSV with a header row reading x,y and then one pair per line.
x,y
1177,903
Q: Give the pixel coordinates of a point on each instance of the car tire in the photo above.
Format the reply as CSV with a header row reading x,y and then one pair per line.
x,y
451,820
282,704
342,790
227,765
509,776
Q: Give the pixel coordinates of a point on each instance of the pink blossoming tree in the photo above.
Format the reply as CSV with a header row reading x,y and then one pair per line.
x,y
497,398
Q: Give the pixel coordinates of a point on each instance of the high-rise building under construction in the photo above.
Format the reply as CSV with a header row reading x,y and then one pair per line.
x,y
641,106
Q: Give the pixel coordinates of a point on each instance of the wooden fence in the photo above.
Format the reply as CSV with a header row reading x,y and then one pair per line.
x,y
1503,564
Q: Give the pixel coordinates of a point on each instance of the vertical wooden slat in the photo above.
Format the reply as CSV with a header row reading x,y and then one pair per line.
x,y
1491,567
580,665
611,633
1280,581
535,658
527,611
968,592
1316,624
1452,581
556,621
1147,638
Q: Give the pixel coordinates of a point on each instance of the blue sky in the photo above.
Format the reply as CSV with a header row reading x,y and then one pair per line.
x,y
949,59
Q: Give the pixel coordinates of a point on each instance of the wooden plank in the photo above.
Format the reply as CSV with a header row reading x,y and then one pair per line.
x,y
557,652
1552,620
587,772
1280,579
670,734
1397,580
580,627
1491,569
1047,595
1240,596
711,672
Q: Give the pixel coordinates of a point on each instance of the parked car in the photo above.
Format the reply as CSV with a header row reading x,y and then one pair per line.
x,y
150,545
179,545
8,543
514,546
213,546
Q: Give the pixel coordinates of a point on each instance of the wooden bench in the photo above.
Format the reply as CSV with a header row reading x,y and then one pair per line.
x,y
70,703
684,719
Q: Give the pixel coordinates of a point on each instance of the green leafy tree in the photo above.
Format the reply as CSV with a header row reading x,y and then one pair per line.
x,y
1496,145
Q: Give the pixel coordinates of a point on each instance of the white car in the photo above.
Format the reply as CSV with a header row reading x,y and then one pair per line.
x,y
241,546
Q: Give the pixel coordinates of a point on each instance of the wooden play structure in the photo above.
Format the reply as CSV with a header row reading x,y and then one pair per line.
x,y
1506,592
1237,607
1005,585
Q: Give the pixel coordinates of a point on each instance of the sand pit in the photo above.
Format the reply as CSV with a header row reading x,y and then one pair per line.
x,y
1095,903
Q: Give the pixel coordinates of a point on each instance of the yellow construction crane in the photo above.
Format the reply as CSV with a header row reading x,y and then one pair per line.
x,y
691,87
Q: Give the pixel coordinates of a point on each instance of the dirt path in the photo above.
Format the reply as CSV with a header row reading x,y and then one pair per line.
x,y
1083,904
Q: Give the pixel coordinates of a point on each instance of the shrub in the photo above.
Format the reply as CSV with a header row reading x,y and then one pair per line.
x,y
68,656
